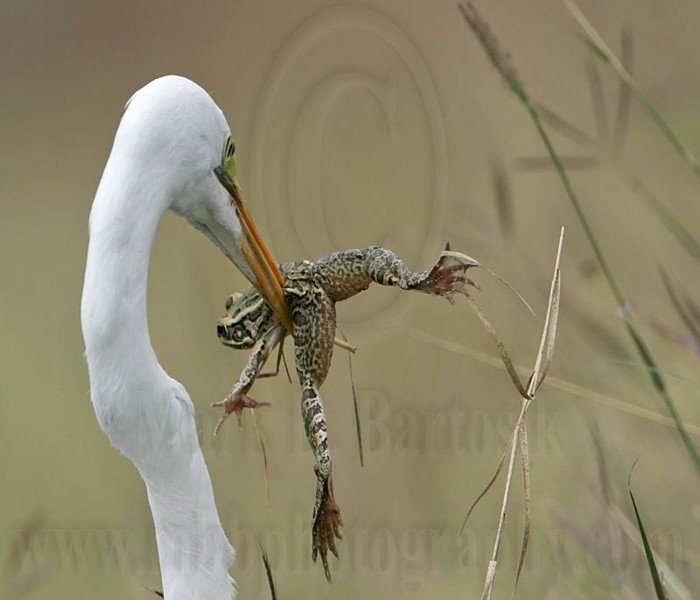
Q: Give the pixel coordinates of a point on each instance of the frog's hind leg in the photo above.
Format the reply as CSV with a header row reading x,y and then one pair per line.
x,y
326,515
447,276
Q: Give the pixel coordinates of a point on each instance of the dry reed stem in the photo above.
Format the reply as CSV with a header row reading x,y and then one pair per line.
x,y
499,59
493,563
510,368
542,363
554,382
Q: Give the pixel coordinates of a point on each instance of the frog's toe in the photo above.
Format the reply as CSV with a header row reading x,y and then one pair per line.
x,y
235,403
326,528
449,275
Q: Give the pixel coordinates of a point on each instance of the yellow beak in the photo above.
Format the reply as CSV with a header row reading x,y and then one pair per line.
x,y
257,254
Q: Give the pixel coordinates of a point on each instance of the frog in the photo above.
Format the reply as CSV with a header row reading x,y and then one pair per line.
x,y
312,289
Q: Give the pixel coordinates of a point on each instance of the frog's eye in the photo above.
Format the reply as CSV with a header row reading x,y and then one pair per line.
x,y
238,334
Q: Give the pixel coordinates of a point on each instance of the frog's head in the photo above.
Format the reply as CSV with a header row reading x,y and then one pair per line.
x,y
247,319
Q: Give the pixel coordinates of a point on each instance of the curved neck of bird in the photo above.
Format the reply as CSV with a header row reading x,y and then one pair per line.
x,y
123,223
145,413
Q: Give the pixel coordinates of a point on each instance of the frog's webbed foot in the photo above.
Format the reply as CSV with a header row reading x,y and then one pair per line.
x,y
326,525
449,275
235,402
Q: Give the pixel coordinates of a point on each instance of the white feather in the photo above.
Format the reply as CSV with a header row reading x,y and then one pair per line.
x,y
168,142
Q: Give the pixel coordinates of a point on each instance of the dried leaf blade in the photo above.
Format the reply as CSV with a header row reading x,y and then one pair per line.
x,y
505,357
263,453
549,331
525,457
488,486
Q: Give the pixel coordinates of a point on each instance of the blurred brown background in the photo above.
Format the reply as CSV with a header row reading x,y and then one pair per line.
x,y
379,122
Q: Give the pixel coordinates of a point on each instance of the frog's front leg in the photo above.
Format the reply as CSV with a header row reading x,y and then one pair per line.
x,y
238,398
344,274
447,276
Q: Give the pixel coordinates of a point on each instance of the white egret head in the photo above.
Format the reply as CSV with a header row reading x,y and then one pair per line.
x,y
175,136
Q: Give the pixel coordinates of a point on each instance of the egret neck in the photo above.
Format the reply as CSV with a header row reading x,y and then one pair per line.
x,y
145,413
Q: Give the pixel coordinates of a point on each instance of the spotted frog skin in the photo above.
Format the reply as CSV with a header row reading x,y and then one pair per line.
x,y
312,289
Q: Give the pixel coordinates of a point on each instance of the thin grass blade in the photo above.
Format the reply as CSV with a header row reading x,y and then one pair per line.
x,y
666,218
600,111
263,453
497,277
488,42
600,48
549,331
656,578
670,579
499,58
510,368
667,332
493,479
544,163
659,384
355,406
503,198
693,308
678,305
566,386
268,573
525,457
602,464
563,126
624,97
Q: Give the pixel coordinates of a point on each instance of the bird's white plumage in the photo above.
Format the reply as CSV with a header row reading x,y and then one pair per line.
x,y
166,147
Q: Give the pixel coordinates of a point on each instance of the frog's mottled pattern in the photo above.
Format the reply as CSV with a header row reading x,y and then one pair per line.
x,y
312,289
313,318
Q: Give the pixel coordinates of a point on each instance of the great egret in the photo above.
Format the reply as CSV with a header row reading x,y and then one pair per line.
x,y
165,152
